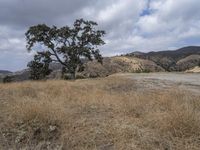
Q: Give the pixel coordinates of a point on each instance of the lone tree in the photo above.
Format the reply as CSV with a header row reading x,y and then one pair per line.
x,y
39,67
68,46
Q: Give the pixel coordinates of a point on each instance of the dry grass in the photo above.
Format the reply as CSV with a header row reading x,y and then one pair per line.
x,y
104,114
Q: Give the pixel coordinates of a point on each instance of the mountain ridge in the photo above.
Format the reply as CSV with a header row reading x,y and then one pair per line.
x,y
168,58
5,72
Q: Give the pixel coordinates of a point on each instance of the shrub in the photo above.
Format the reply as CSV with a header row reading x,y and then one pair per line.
x,y
7,79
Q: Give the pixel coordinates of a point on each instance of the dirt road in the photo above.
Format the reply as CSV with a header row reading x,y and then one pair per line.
x,y
187,81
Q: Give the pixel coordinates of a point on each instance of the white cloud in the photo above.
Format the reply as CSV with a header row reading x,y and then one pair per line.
x,y
130,24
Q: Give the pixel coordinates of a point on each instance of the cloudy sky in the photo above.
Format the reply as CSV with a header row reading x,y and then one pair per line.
x,y
131,25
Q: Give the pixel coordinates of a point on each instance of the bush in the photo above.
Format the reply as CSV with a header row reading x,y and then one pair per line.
x,y
39,67
146,71
7,79
142,71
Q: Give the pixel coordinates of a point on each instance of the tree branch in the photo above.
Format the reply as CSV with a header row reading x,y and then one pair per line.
x,y
58,58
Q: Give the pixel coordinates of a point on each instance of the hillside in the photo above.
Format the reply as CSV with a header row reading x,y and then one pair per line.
x,y
111,65
120,64
178,60
3,72
188,62
171,60
194,70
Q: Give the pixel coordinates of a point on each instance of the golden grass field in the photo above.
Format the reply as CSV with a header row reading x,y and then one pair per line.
x,y
97,114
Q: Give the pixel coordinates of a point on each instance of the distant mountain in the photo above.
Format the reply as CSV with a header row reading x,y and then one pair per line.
x,y
5,72
170,60
21,75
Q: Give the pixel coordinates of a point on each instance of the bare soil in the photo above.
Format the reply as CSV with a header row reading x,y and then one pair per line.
x,y
186,81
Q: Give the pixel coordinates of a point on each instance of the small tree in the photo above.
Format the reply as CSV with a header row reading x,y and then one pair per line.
x,y
39,67
68,46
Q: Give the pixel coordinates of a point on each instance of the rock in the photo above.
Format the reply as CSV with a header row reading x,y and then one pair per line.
x,y
52,128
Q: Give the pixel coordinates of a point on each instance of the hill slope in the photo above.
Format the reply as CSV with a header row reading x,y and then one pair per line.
x,y
112,65
120,64
194,70
5,72
170,60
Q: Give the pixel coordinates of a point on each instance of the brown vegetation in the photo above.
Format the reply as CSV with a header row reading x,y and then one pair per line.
x,y
104,114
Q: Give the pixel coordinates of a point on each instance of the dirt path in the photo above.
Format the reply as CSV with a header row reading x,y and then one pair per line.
x,y
187,81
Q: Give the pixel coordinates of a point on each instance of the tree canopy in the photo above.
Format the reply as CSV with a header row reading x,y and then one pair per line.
x,y
68,46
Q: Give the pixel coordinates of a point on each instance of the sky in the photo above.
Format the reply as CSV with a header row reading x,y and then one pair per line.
x,y
131,25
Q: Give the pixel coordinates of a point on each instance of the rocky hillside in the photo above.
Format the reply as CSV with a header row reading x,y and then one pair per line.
x,y
177,60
